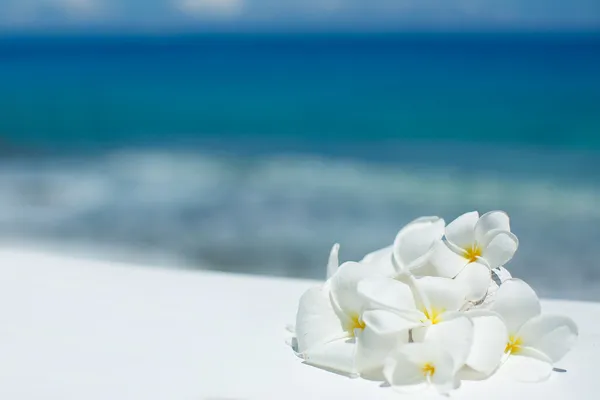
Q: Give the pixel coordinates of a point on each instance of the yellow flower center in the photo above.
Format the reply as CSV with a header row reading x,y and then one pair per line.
x,y
428,369
355,323
433,315
514,345
472,253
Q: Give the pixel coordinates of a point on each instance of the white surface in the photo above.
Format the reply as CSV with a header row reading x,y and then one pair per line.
x,y
85,330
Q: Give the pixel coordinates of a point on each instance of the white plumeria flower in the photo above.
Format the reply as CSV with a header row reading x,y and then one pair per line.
x,y
411,249
430,307
535,342
472,242
416,366
486,239
462,347
337,329
442,337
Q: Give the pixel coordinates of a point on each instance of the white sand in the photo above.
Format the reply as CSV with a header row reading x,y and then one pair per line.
x,y
85,330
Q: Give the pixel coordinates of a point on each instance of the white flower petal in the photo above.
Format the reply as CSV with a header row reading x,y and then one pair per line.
x,y
461,231
528,366
469,374
333,262
383,322
387,293
440,294
343,286
493,220
372,350
489,340
384,331
499,247
338,355
379,255
380,262
553,335
517,303
419,333
455,336
424,270
445,262
475,278
404,375
403,370
415,241
316,320
444,380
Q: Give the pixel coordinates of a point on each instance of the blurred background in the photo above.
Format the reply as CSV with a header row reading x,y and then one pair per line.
x,y
250,135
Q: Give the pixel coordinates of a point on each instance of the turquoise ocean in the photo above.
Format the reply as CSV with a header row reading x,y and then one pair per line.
x,y
255,153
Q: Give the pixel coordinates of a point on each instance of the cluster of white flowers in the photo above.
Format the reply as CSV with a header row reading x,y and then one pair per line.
x,y
434,308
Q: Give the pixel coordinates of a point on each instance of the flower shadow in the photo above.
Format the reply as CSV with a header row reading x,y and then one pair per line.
x,y
376,376
293,343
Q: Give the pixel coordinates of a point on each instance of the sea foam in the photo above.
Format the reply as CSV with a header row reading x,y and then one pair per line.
x,y
279,214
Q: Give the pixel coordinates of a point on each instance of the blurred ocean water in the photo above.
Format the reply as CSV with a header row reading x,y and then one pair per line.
x,y
256,153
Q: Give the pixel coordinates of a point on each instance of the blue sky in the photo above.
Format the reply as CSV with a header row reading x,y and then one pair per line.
x,y
278,14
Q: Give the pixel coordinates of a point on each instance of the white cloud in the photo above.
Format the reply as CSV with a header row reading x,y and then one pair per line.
x,y
280,13
79,8
84,5
209,8
23,11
